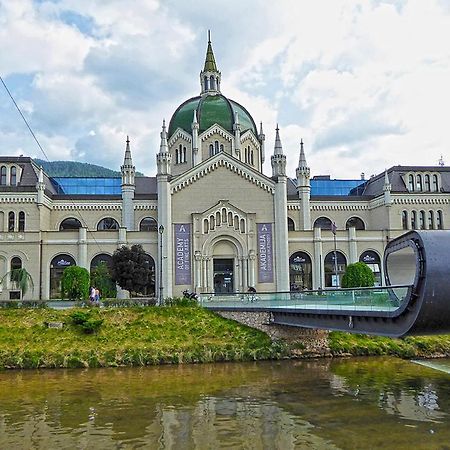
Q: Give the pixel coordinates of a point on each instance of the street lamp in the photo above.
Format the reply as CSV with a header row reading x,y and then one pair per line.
x,y
161,231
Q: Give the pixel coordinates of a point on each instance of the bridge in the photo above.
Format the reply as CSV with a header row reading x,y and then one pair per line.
x,y
414,301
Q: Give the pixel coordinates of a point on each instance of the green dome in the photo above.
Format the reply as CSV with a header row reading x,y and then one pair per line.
x,y
210,109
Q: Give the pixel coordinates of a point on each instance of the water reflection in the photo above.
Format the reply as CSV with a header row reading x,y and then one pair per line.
x,y
285,405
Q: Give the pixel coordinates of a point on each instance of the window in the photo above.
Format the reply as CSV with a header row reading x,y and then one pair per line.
x,y
251,157
300,271
323,223
435,183
13,176
405,220
70,224
3,175
419,182
108,224
411,182
427,183
291,224
11,221
21,221
372,259
430,220
211,150
57,266
180,154
216,147
355,222
16,263
422,220
414,220
331,277
439,224
99,259
148,224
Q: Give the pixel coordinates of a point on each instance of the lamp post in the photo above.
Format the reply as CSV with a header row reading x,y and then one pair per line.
x,y
161,288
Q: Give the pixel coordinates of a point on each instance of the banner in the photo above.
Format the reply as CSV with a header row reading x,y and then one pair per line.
x,y
182,253
265,253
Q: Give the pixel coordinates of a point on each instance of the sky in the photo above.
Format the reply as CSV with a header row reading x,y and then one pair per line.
x,y
364,83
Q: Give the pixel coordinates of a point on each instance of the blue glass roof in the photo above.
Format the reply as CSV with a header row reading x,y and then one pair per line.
x,y
87,186
336,187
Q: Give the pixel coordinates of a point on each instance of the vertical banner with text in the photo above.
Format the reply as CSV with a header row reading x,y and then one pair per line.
x,y
265,253
182,253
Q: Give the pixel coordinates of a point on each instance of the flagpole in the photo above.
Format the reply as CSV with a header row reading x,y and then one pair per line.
x,y
334,229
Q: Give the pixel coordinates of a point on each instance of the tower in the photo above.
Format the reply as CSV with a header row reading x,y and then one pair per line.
x,y
128,187
304,190
210,76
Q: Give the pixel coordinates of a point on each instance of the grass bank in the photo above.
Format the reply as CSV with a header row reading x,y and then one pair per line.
x,y
409,347
127,337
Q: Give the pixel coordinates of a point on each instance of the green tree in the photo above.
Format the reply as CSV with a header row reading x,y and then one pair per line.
x,y
75,283
20,279
358,275
130,269
101,279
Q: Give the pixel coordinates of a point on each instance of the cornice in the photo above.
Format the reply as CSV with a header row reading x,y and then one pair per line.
x,y
216,129
87,206
179,133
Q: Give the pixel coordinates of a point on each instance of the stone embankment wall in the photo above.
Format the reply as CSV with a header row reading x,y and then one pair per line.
x,y
304,342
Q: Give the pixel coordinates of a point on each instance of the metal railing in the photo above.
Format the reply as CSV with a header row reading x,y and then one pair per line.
x,y
380,298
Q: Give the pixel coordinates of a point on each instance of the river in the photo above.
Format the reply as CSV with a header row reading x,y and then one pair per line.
x,y
358,403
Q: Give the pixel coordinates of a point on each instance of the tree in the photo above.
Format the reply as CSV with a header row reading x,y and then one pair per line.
x,y
101,279
20,279
75,283
130,269
358,275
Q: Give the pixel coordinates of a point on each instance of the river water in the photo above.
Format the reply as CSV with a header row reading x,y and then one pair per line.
x,y
325,404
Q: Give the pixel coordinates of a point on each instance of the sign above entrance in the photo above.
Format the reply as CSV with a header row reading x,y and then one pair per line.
x,y
183,253
265,253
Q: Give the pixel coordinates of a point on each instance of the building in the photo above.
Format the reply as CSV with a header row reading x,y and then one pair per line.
x,y
211,220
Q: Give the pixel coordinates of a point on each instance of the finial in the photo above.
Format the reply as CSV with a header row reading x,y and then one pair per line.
x,y
128,140
301,144
278,147
164,123
209,36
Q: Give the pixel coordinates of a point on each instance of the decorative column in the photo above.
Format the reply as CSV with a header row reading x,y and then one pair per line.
x,y
244,274
198,271
319,278
251,268
82,248
353,251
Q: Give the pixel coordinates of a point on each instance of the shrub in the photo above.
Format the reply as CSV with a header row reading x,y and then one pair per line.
x,y
180,301
86,321
75,283
358,275
101,279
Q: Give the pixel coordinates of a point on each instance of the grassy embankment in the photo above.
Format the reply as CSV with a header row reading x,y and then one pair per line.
x,y
146,336
128,336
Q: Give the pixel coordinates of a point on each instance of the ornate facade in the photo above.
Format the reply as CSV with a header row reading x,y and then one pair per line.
x,y
211,220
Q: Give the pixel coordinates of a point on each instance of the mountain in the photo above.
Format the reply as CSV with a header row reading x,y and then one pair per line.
x,y
76,169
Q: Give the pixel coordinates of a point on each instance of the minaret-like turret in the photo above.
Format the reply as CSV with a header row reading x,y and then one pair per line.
x,y
40,186
387,187
210,76
128,187
237,135
278,158
304,189
164,158
196,155
280,212
262,138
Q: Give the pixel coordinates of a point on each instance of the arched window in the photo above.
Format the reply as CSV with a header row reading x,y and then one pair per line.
x,y
216,147
300,271
57,266
419,182
435,183
218,219
355,222
16,263
439,221
405,220
221,147
108,224
430,220
148,224
331,277
211,150
372,259
414,220
411,182
149,289
11,221
70,224
3,175
184,155
212,82
205,226
101,258
421,220
291,224
21,221
323,223
251,157
206,83
13,176
427,183
242,226
177,156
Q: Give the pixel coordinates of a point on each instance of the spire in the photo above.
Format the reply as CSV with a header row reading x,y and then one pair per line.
x,y
163,146
41,175
261,132
387,184
302,160
127,169
127,161
210,62
278,147
194,120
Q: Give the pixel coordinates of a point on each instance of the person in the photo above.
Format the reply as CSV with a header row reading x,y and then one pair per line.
x,y
252,290
97,296
252,297
92,294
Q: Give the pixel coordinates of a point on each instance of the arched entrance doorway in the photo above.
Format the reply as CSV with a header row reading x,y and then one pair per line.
x,y
224,263
333,279
57,266
300,271
372,259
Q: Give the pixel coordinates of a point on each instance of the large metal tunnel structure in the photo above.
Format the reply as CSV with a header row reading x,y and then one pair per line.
x,y
420,259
